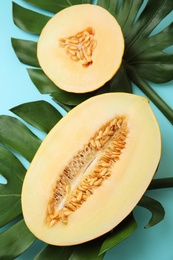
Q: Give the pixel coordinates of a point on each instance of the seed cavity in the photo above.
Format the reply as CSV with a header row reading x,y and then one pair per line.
x,y
80,46
87,170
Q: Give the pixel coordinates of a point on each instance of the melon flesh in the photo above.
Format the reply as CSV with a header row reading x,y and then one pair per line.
x,y
106,56
118,194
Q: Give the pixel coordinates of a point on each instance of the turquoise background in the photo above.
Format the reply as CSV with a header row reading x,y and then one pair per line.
x,y
16,88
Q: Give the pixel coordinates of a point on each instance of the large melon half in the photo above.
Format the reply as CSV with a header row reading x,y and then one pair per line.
x,y
91,169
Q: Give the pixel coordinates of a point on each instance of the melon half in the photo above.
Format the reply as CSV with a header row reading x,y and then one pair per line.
x,y
81,48
91,169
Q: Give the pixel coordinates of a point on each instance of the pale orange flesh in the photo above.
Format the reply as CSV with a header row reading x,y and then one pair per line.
x,y
94,62
118,194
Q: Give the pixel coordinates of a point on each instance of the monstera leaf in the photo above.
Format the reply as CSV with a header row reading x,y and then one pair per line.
x,y
144,60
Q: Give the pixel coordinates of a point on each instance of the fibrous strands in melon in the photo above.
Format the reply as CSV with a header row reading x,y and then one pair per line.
x,y
87,170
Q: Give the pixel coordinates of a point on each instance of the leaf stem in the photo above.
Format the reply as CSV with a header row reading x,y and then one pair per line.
x,y
161,183
151,94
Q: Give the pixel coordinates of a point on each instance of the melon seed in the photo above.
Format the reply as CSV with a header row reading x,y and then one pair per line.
x,y
80,46
87,170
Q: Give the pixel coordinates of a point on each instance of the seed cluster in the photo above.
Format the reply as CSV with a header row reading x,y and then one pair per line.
x,y
87,170
80,47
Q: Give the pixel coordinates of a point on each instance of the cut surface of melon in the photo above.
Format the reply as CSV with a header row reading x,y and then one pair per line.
x,y
91,169
81,48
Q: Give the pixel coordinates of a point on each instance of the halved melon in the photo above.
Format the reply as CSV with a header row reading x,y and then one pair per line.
x,y
91,169
81,48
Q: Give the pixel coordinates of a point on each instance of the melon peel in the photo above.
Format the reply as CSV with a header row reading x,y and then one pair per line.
x,y
81,48
91,169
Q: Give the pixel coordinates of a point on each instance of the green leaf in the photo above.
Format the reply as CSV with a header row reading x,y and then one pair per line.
x,y
119,233
53,5
55,252
15,240
40,114
18,137
120,82
73,99
144,52
41,81
28,20
150,57
126,15
10,199
151,94
85,251
150,17
155,208
89,250
67,108
110,5
161,183
70,99
26,51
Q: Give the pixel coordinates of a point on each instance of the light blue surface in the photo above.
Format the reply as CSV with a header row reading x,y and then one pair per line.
x,y
16,88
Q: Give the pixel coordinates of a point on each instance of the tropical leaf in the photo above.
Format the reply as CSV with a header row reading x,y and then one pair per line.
x,y
10,193
67,108
41,81
144,86
18,137
74,99
121,82
161,183
155,208
121,232
55,252
34,22
40,114
84,251
89,250
12,243
144,53
26,51
150,57
54,6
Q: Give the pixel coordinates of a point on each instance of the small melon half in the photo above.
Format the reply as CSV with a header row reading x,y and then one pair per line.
x,y
81,48
91,169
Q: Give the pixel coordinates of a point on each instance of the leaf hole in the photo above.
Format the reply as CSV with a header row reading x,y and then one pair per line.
x,y
168,49
3,180
141,9
162,25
